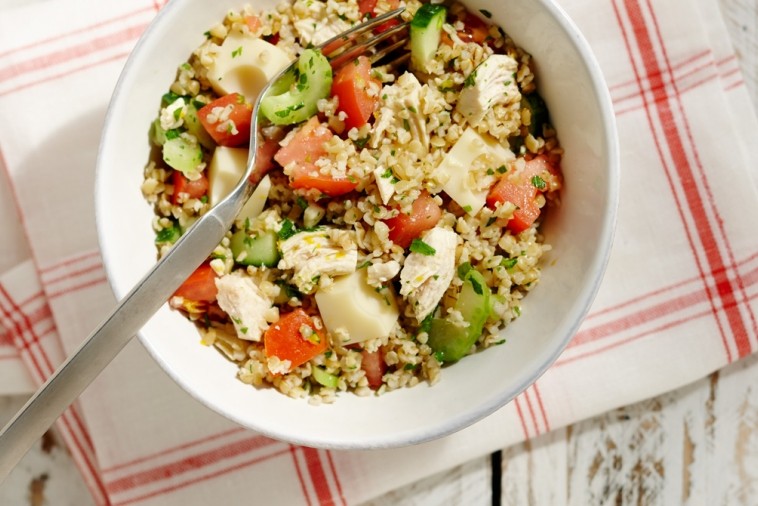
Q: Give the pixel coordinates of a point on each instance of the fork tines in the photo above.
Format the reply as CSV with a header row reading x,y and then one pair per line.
x,y
358,40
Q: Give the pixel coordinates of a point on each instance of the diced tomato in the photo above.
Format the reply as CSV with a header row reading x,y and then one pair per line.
x,y
288,339
425,213
304,149
307,176
307,145
264,160
200,286
374,366
253,23
188,188
522,192
474,29
234,128
351,86
522,196
273,38
369,7
540,166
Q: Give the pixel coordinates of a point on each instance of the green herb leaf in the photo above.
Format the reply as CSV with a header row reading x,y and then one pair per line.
x,y
301,202
237,52
509,263
422,248
538,183
464,269
502,169
361,143
487,14
287,230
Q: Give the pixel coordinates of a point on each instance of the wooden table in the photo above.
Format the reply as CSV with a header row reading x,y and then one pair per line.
x,y
696,445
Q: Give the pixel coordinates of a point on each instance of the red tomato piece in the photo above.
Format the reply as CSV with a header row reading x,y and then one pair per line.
x,y
351,86
306,176
188,188
540,166
304,149
200,286
264,160
273,38
227,120
288,338
307,145
404,228
374,366
474,29
522,196
253,23
369,7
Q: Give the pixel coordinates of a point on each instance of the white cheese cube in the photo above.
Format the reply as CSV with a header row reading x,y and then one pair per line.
x,y
226,168
244,65
472,150
351,307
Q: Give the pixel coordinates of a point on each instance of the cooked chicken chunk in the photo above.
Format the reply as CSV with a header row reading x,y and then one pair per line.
x,y
492,82
245,304
330,252
425,278
402,109
381,272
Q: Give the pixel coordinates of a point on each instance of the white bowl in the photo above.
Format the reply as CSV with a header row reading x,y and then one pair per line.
x,y
580,231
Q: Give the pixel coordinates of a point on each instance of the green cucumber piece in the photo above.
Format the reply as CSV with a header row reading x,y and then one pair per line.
x,y
183,155
295,99
157,133
194,127
260,250
322,377
426,30
451,342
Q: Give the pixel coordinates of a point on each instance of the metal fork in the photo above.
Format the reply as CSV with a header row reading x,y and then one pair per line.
x,y
155,288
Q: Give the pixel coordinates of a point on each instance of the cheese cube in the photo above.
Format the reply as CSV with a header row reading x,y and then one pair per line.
x,y
349,306
462,158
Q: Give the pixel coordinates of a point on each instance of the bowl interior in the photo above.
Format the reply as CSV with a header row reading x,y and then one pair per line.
x,y
580,232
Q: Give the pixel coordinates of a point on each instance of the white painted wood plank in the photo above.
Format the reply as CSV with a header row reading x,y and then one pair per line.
x,y
46,475
467,484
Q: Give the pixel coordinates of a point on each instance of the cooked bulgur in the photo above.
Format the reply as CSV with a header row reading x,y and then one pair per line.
x,y
477,223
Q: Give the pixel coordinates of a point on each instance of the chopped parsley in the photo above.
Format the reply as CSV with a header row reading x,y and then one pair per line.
x,y
301,202
364,265
490,171
173,133
502,341
468,208
412,109
476,285
502,169
409,367
204,199
177,113
168,235
361,143
244,330
464,269
237,52
287,230
538,183
422,248
487,14
426,323
406,124
509,263
470,79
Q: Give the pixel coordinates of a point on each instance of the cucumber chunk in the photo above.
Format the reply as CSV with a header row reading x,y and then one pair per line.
x,y
183,155
426,29
451,342
322,377
294,99
194,127
259,250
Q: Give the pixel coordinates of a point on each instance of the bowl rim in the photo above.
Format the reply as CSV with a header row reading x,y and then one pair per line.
x,y
452,423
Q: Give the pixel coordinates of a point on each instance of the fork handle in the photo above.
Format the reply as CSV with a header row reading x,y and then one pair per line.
x,y
96,351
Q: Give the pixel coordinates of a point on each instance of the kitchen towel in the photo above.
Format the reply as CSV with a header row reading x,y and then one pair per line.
x,y
678,300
